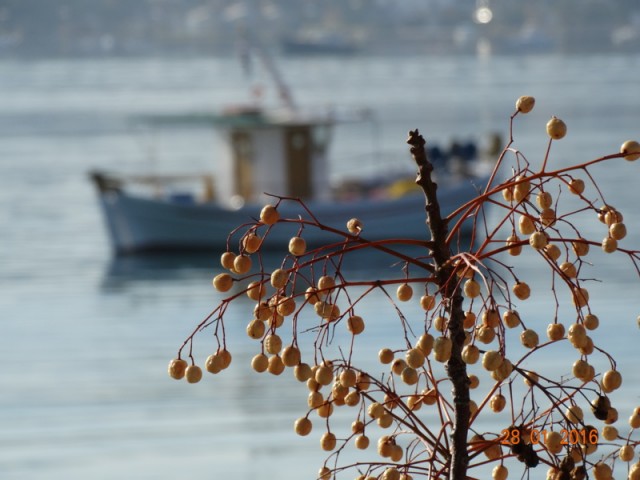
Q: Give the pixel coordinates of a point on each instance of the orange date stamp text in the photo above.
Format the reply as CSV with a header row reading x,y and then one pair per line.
x,y
515,436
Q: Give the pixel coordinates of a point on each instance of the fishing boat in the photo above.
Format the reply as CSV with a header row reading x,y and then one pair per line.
x,y
286,156
284,152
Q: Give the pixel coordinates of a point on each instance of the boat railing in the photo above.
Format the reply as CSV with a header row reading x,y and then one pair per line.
x,y
161,185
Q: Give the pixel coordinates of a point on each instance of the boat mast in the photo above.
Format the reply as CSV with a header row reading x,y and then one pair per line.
x,y
251,45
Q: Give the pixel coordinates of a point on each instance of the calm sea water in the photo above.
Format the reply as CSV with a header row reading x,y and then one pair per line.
x,y
86,337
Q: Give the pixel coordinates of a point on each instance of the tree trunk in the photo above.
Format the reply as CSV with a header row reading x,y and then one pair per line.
x,y
452,296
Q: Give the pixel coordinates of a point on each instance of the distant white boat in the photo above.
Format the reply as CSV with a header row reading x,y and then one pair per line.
x,y
139,223
282,152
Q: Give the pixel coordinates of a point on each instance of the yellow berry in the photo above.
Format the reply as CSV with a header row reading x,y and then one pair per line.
x,y
471,288
324,375
355,324
442,349
193,374
297,246
591,321
602,471
580,369
325,410
553,442
485,334
491,360
242,264
276,367
569,269
409,376
177,368
256,290
425,343
326,283
556,128
390,473
302,372
525,104
511,318
609,433
404,292
273,343
428,302
609,245
312,296
491,318
580,297
469,320
357,426
529,338
354,226
470,354
414,358
440,323
251,243
396,455
526,225
385,355
262,311
574,414
521,290
286,306
576,186
500,472
553,252
555,332
498,402
544,200
538,240
269,215
514,249
225,357
213,364
618,230
223,282
375,410
362,442
398,366
548,217
602,213
521,189
324,474
580,247
626,453
328,441
503,371
291,356
611,380
260,363
226,260
279,278
631,149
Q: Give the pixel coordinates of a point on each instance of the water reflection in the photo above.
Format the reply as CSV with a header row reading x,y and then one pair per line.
x,y
123,270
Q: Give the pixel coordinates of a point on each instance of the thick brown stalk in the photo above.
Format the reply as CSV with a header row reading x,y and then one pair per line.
x,y
450,290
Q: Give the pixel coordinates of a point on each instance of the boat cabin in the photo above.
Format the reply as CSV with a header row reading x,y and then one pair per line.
x,y
269,153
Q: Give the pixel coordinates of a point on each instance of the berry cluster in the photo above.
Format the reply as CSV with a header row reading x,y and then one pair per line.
x,y
461,345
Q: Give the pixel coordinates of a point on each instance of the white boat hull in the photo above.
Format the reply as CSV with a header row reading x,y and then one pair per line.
x,y
137,224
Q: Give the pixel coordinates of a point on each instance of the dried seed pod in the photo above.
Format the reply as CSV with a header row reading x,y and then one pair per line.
x,y
525,104
177,368
556,128
269,215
